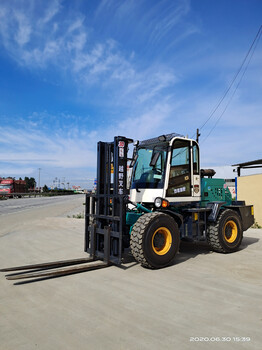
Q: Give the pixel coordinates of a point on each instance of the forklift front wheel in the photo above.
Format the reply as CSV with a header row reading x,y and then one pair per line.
x,y
155,240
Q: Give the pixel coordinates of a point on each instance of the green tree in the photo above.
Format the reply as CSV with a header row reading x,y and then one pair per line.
x,y
30,182
45,189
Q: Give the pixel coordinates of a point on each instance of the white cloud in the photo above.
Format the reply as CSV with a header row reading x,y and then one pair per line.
x,y
153,121
23,32
77,44
32,145
156,82
52,37
75,148
235,138
89,59
173,14
51,10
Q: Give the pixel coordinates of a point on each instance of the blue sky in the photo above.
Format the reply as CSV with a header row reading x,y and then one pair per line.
x,y
76,72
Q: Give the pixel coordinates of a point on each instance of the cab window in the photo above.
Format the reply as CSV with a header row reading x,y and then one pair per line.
x,y
180,178
195,159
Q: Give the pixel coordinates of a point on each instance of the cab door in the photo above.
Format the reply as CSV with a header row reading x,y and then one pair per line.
x,y
180,179
196,190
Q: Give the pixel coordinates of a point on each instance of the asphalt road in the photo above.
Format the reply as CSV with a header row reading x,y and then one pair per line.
x,y
204,300
16,213
16,205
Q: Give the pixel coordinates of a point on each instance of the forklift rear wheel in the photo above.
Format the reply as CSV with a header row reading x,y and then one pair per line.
x,y
155,240
225,236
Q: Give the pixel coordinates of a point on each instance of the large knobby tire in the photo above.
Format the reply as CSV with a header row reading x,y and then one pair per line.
x,y
155,240
225,236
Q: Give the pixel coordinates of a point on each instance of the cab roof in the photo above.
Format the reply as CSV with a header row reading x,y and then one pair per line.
x,y
159,139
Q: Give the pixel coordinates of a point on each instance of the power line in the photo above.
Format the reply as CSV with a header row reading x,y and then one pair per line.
x,y
233,93
253,45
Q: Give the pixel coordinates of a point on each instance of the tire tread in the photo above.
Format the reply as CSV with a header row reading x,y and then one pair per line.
x,y
136,242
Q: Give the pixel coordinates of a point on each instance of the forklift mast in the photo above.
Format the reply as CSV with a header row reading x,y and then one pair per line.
x,y
105,224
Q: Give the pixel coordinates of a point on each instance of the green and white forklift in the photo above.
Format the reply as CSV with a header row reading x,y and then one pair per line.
x,y
170,199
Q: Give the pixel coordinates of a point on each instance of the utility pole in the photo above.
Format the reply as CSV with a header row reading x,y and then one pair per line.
x,y
197,135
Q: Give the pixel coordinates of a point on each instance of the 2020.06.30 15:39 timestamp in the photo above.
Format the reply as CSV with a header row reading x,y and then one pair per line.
x,y
219,339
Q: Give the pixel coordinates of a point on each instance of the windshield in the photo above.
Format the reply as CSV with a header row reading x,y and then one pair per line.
x,y
149,168
5,186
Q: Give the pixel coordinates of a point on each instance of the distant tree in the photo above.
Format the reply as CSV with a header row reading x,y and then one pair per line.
x,y
26,180
45,189
30,182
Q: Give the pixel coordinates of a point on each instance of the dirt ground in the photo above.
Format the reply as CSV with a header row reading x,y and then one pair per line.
x,y
205,300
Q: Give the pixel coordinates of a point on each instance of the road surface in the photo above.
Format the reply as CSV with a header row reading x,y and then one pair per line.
x,y
17,212
16,205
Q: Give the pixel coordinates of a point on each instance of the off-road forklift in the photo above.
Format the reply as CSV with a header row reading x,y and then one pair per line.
x,y
169,199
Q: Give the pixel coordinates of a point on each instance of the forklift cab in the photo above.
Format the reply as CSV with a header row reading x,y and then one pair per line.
x,y
166,167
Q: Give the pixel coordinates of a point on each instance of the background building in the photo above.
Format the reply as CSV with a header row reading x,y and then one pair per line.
x,y
249,188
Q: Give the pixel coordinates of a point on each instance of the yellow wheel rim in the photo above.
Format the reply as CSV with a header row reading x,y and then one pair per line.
x,y
161,241
230,231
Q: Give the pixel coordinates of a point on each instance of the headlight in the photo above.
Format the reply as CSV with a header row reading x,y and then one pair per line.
x,y
160,202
